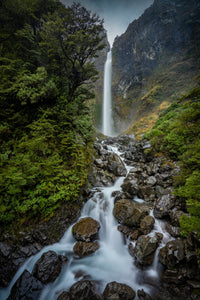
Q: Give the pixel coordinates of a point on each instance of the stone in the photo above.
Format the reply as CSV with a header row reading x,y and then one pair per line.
x,y
146,192
86,229
83,290
48,267
83,249
115,291
173,230
146,225
151,181
142,295
163,206
115,165
172,254
145,248
26,287
130,187
129,213
63,296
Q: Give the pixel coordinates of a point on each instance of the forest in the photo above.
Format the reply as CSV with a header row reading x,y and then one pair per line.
x,y
46,133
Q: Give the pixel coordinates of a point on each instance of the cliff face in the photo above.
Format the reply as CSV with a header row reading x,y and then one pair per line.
x,y
155,60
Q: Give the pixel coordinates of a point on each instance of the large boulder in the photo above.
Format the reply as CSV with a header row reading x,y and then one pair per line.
x,y
115,165
146,225
164,205
115,291
130,187
145,248
27,287
48,267
172,254
83,290
86,229
83,249
129,213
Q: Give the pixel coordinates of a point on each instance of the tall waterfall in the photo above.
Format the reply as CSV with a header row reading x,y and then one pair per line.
x,y
107,97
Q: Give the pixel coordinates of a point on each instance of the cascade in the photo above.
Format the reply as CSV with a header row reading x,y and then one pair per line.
x,y
111,262
107,97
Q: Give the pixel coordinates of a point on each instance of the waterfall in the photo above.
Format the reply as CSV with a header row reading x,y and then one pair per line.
x,y
107,97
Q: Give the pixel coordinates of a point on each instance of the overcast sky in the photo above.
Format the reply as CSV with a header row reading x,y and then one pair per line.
x,y
117,14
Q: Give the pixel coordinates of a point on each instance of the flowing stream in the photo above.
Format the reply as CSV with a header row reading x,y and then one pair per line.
x,y
107,97
111,262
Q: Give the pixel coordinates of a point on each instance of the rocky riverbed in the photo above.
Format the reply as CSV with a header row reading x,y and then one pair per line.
x,y
145,197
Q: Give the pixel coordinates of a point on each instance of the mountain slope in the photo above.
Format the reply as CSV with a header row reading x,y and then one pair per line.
x,y
155,61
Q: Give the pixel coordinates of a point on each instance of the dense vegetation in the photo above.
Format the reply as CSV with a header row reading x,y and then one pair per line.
x,y
177,134
45,131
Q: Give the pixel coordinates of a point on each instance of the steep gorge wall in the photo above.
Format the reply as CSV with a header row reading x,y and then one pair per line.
x,y
155,60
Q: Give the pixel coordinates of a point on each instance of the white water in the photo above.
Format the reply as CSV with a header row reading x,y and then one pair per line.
x,y
107,121
112,262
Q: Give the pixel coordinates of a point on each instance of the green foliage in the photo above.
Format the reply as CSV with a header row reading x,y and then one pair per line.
x,y
177,134
46,133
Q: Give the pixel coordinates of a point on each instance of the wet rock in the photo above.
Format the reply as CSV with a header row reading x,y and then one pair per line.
x,y
115,165
48,267
145,248
83,290
163,206
129,213
86,230
173,230
130,187
26,287
99,163
146,225
142,295
83,249
172,276
146,192
151,181
115,291
64,296
175,216
172,254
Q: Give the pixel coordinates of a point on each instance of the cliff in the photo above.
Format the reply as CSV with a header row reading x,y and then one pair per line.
x,y
155,61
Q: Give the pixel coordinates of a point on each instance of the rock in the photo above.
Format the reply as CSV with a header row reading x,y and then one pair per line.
x,y
173,230
175,216
86,230
129,213
172,276
151,181
130,187
145,248
48,267
146,192
26,287
172,254
83,249
163,206
115,291
143,296
146,225
63,296
99,163
115,165
83,290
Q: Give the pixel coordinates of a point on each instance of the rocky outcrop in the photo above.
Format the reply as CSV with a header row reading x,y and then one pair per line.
x,y
86,230
148,57
115,290
145,248
26,287
83,249
48,267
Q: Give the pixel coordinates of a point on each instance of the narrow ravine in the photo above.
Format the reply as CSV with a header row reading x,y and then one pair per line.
x,y
112,261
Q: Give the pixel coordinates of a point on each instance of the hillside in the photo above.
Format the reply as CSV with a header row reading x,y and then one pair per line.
x,y
154,62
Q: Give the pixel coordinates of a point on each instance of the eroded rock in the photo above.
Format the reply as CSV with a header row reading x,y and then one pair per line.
x,y
86,230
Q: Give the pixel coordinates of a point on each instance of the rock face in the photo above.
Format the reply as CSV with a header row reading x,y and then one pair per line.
x,y
86,230
115,291
157,41
48,267
145,248
83,290
129,213
83,249
26,287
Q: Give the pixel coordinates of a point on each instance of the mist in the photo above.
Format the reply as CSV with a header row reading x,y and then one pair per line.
x,y
117,14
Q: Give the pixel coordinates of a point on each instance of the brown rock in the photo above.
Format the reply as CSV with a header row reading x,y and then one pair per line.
x,y
86,230
83,249
146,225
